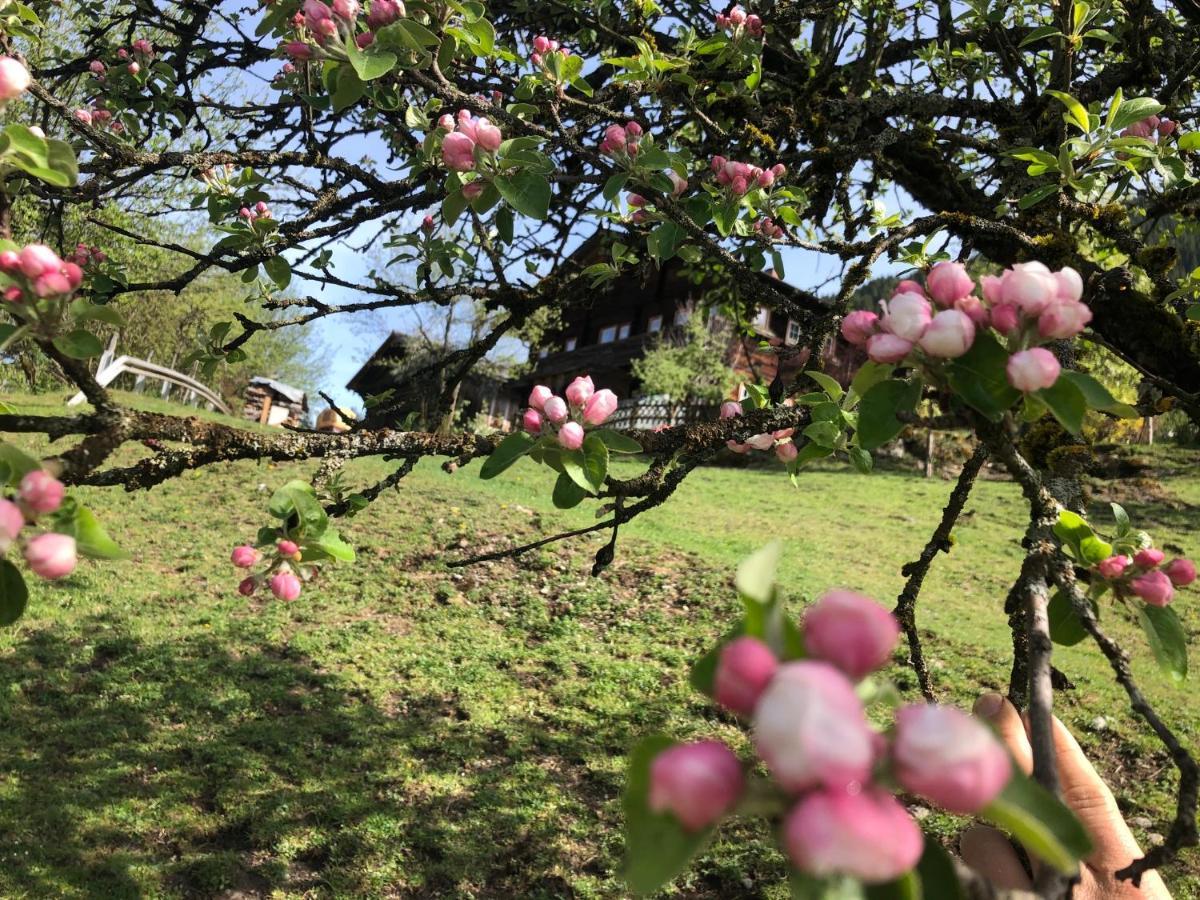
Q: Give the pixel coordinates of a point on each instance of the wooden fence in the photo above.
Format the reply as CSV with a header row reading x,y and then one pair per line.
x,y
648,413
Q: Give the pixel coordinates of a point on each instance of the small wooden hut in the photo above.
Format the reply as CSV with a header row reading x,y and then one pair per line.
x,y
271,402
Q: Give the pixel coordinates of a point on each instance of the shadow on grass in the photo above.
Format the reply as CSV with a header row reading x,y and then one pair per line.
x,y
134,769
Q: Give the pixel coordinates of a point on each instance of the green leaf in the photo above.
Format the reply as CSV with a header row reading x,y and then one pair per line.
x,y
83,311
656,846
1037,195
22,140
1066,402
279,271
1038,34
1124,526
756,575
527,193
1168,642
91,540
1076,111
877,422
1076,534
1134,110
348,88
14,595
595,461
1097,396
1190,141
15,464
507,452
371,64
868,375
979,377
861,460
828,384
824,434
79,344
453,206
662,241
331,543
298,498
567,494
573,465
614,186
939,880
906,887
1065,627
617,442
1040,821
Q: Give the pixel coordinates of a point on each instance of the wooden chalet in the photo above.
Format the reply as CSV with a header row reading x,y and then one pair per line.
x,y
271,402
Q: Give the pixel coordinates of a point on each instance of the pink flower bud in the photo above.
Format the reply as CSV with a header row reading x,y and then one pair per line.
x,y
298,50
614,136
974,308
536,59
473,190
488,135
754,25
1148,558
133,68
990,285
907,316
888,348
427,224
737,16
858,326
287,548
1006,317
13,294
122,53
678,184
850,631
37,259
52,284
730,409
1069,284
697,783
810,728
580,391
73,274
346,10
633,129
718,163
739,185
1166,127
722,20
949,335
245,213
364,40
247,586
96,67
948,757
637,201
446,122
541,44
1063,319
144,47
383,13
10,262
786,451
531,421
600,406
744,668
40,492
315,11
570,435
1113,567
1031,286
539,395
555,409
765,179
14,79
1182,572
947,282
12,520
51,555
1154,587
245,556
868,835
285,586
1032,370
458,152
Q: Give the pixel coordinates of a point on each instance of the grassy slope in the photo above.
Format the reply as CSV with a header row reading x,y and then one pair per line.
x,y
409,730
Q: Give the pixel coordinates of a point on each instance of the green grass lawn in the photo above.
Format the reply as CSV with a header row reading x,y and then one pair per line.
x,y
409,730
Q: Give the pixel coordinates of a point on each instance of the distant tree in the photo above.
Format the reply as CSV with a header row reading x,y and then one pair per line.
x,y
687,364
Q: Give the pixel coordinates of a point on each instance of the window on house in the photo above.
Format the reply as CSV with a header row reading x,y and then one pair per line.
x,y
571,344
682,314
763,318
608,334
654,324
543,352
793,332
623,331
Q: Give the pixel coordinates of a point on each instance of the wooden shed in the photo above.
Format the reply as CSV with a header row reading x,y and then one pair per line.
x,y
271,402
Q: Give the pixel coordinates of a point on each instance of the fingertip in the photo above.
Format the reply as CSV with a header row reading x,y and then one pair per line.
x,y
1003,716
989,853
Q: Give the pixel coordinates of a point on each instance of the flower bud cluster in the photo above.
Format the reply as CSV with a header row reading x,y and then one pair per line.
x,y
567,419
282,574
1144,575
467,142
48,554
738,23
739,178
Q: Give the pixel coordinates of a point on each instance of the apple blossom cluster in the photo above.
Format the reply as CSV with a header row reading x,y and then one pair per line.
x,y
835,770
85,256
566,419
260,210
622,142
767,229
1144,575
320,28
543,47
283,574
465,135
37,273
14,79
1028,305
49,555
785,448
130,61
739,178
637,202
1149,127
737,23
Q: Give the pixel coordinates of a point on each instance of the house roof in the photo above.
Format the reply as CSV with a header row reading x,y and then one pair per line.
x,y
284,390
